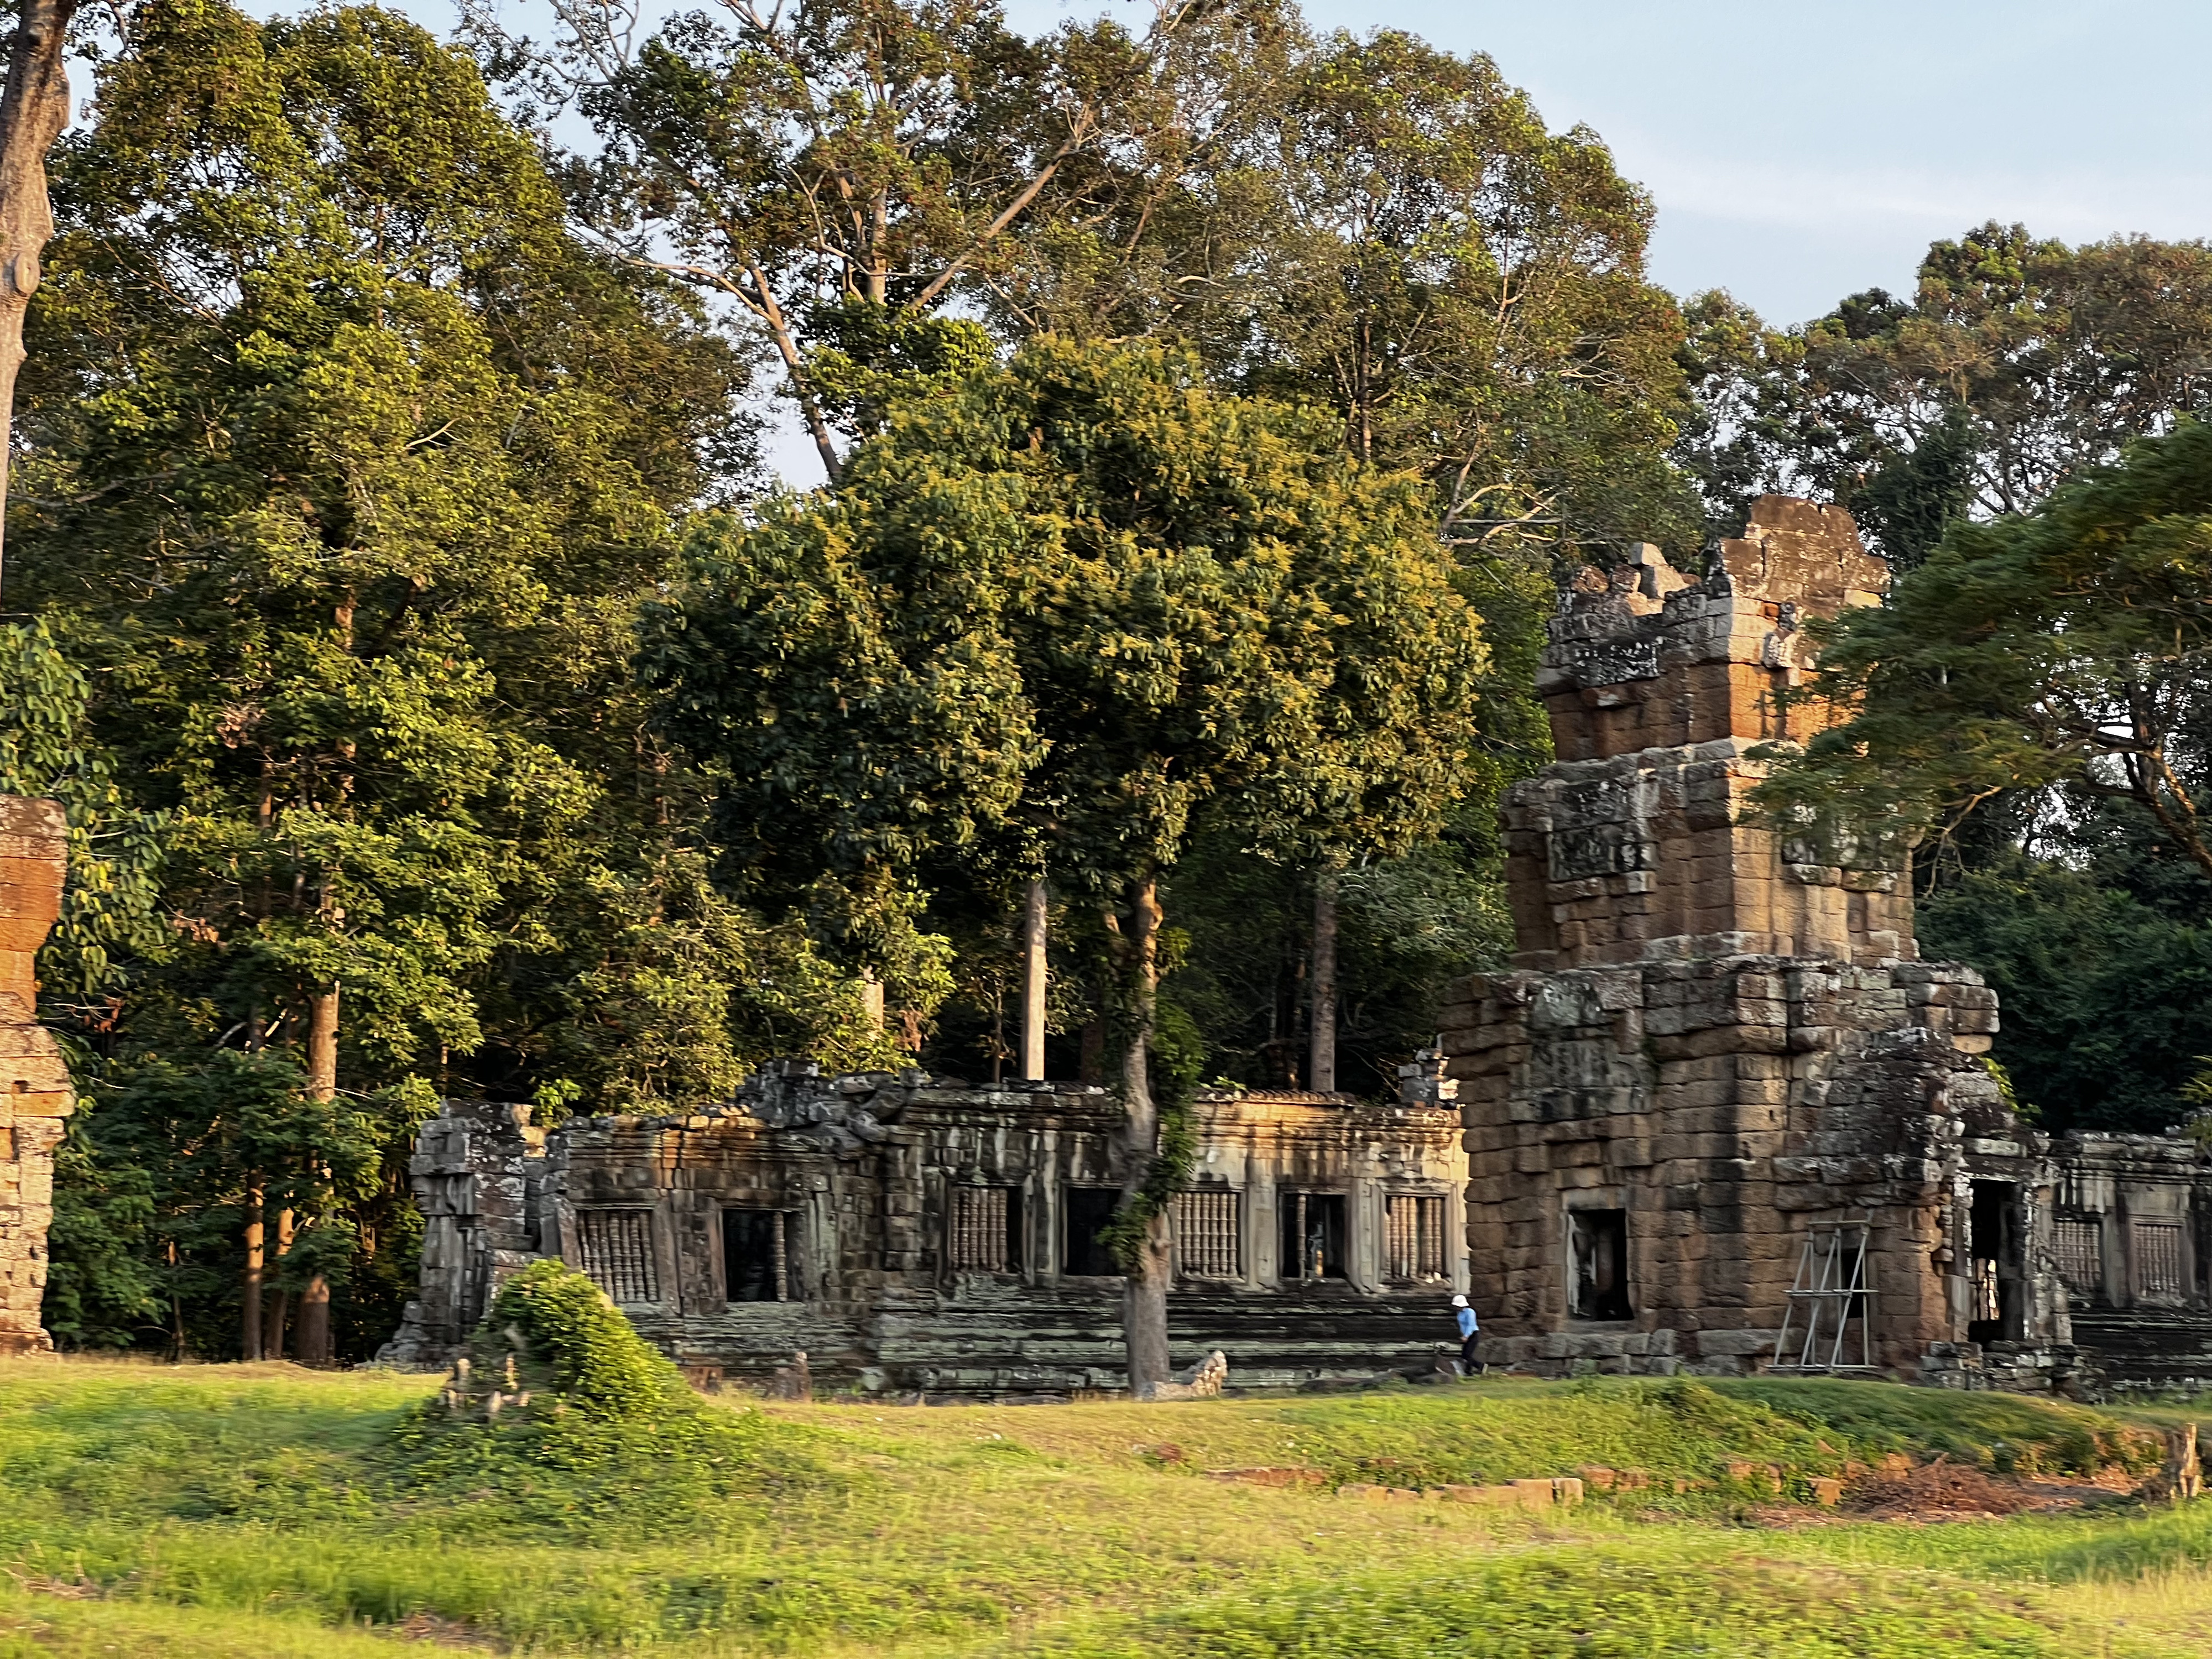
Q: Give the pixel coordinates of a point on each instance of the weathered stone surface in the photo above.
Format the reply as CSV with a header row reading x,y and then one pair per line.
x,y
1714,1038
1634,846
34,1086
874,1178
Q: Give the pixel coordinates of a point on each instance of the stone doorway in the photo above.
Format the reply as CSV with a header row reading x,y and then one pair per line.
x,y
1993,1259
1597,1265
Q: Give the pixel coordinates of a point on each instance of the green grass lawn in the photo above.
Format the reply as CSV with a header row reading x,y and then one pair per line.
x,y
262,1510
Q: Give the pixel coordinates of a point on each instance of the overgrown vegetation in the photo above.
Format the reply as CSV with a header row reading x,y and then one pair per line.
x,y
445,703
355,467
210,1512
572,1425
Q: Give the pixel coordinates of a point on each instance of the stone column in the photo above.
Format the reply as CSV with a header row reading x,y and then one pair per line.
x,y
34,1086
1034,912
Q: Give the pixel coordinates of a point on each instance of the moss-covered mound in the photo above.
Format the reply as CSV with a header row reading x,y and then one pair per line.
x,y
561,1417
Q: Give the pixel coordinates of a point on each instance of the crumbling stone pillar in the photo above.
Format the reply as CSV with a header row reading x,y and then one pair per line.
x,y
34,1086
476,1173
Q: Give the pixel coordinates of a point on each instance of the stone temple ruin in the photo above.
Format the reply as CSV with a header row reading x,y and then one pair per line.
x,y
939,1241
1717,1117
1720,1117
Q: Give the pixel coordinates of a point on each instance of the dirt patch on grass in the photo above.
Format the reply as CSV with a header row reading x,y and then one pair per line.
x,y
1944,1490
446,1633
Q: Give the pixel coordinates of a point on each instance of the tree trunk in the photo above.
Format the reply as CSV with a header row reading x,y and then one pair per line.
x,y
871,998
34,109
272,1324
1033,982
313,1346
311,1340
1321,1066
249,1331
323,1043
1145,1289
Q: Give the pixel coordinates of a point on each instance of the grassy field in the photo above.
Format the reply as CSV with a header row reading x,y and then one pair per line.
x,y
262,1510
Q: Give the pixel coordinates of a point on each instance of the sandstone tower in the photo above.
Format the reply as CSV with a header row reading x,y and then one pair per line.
x,y
34,1086
1714,1038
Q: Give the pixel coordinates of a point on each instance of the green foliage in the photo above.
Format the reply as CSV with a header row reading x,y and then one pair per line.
x,y
1562,1604
572,1478
2016,363
874,356
2057,690
600,1440
1912,499
2067,644
1045,181
156,1177
1174,1067
110,907
600,1364
2026,1111
1466,289
2104,998
347,471
1073,614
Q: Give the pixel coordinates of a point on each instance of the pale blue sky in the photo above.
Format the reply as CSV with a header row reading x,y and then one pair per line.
x,y
1799,152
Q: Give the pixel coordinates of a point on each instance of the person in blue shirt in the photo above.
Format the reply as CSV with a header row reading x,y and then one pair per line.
x,y
1468,1331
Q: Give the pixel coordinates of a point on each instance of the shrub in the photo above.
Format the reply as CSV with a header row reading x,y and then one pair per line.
x,y
601,1366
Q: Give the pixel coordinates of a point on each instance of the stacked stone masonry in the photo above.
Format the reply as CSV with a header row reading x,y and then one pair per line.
x,y
1716,1054
919,1240
34,1086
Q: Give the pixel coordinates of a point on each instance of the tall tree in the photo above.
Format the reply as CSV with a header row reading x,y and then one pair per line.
x,y
1468,289
2016,362
842,171
1126,609
2068,645
347,470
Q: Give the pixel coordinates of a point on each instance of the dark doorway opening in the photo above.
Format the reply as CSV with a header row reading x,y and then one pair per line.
x,y
1992,1260
1597,1264
758,1260
1086,1210
1313,1236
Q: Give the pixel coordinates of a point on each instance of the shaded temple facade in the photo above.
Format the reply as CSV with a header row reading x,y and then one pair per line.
x,y
942,1241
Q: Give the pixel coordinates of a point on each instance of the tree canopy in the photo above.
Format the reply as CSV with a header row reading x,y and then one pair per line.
x,y
2067,644
1074,615
445,703
2016,362
347,468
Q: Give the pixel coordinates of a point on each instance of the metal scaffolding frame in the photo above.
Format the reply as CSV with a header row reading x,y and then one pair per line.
x,y
1831,1291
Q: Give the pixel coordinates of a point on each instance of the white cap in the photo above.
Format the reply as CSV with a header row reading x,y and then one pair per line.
x,y
1459,1302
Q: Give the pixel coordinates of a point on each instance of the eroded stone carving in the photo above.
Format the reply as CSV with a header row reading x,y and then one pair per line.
x,y
920,1239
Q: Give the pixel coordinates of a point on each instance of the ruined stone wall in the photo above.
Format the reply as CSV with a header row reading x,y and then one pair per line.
x,y
1720,1104
478,1177
2132,1216
866,1183
34,1086
1716,1036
